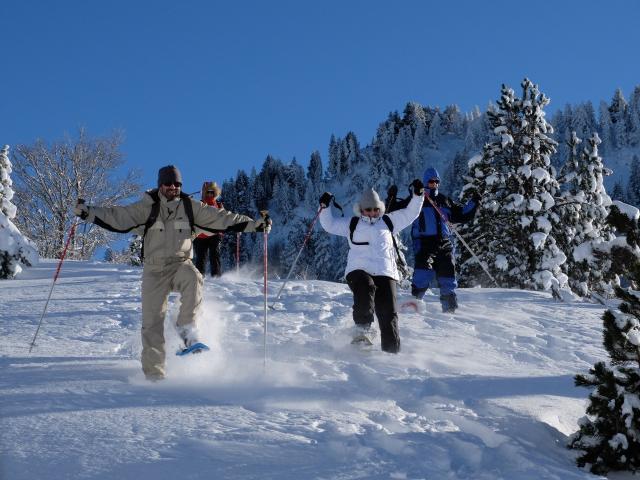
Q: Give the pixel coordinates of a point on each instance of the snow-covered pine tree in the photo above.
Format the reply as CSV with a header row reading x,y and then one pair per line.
x,y
605,128
583,208
15,249
315,185
454,175
609,437
633,185
618,193
619,123
513,227
135,250
583,121
561,122
634,117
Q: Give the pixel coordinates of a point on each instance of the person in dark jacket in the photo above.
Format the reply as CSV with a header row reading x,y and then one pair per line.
x,y
208,243
432,246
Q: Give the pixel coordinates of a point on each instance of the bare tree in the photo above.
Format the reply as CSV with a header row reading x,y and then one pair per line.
x,y
50,178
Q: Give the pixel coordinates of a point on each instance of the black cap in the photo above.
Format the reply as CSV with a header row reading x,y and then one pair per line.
x,y
169,174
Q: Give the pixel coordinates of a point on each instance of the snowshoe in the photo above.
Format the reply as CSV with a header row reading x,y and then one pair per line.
x,y
195,348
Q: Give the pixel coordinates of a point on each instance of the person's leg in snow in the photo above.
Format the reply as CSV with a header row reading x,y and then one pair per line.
x,y
446,274
188,282
421,281
387,313
214,256
363,288
156,286
200,247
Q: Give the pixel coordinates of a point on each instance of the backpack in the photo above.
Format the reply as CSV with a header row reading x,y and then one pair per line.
x,y
352,228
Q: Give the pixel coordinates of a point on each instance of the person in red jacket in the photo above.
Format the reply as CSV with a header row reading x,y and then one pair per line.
x,y
209,242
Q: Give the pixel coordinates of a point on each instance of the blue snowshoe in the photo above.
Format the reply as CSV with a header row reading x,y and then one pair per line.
x,y
195,348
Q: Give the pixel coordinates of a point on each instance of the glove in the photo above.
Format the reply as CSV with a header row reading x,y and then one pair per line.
x,y
392,192
476,197
263,225
417,186
325,199
81,210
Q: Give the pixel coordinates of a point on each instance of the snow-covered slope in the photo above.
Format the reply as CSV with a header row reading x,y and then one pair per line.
x,y
485,394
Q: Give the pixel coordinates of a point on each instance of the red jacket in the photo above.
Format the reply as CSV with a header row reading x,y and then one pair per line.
x,y
215,204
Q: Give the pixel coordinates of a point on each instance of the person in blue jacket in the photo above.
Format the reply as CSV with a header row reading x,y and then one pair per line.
x,y
432,246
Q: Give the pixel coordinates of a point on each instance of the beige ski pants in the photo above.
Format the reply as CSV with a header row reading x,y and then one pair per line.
x,y
158,280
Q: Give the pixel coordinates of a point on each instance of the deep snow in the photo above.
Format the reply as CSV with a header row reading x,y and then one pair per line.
x,y
484,394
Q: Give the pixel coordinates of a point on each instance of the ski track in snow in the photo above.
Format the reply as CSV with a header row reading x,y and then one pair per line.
x,y
486,393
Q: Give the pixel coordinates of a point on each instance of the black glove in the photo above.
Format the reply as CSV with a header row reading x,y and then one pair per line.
x,y
418,187
325,199
264,224
81,210
392,192
476,198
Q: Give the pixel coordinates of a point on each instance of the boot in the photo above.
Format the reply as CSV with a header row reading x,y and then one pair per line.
x,y
449,303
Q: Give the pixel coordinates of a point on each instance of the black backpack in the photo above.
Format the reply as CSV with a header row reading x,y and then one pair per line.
x,y
352,228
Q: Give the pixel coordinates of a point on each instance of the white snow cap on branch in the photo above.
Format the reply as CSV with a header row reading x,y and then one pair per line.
x,y
629,210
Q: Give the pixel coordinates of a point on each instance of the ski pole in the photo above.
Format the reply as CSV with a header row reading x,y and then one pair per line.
x,y
265,255
306,239
451,227
72,232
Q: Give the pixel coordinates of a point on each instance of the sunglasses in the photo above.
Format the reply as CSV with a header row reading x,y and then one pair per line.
x,y
371,209
437,182
175,184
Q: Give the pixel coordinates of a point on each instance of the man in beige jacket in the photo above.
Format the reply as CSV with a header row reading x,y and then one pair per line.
x,y
167,256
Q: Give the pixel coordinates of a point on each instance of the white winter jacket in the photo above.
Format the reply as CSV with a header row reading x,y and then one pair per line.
x,y
377,258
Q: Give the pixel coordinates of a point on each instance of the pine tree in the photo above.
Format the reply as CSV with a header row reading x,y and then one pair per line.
x,y
455,174
609,437
633,186
634,117
513,227
315,184
619,122
583,209
618,192
135,250
605,128
333,168
15,249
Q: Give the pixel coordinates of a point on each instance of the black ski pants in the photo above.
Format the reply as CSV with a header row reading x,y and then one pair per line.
x,y
376,293
211,246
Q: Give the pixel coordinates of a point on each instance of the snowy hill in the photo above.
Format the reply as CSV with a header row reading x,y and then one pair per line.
x,y
485,394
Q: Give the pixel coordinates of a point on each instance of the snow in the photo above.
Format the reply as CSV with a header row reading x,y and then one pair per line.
x,y
486,393
629,210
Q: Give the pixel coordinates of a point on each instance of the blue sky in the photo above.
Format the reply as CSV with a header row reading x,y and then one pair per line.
x,y
215,86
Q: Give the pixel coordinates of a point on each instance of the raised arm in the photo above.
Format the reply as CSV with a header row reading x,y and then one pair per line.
x,y
117,219
404,217
212,219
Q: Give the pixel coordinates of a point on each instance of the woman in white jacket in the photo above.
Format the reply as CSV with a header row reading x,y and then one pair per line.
x,y
371,271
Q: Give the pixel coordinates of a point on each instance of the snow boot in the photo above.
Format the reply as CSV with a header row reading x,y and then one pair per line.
x,y
363,334
449,303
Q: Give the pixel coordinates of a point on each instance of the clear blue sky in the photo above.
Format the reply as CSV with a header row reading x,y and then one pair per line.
x,y
215,86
